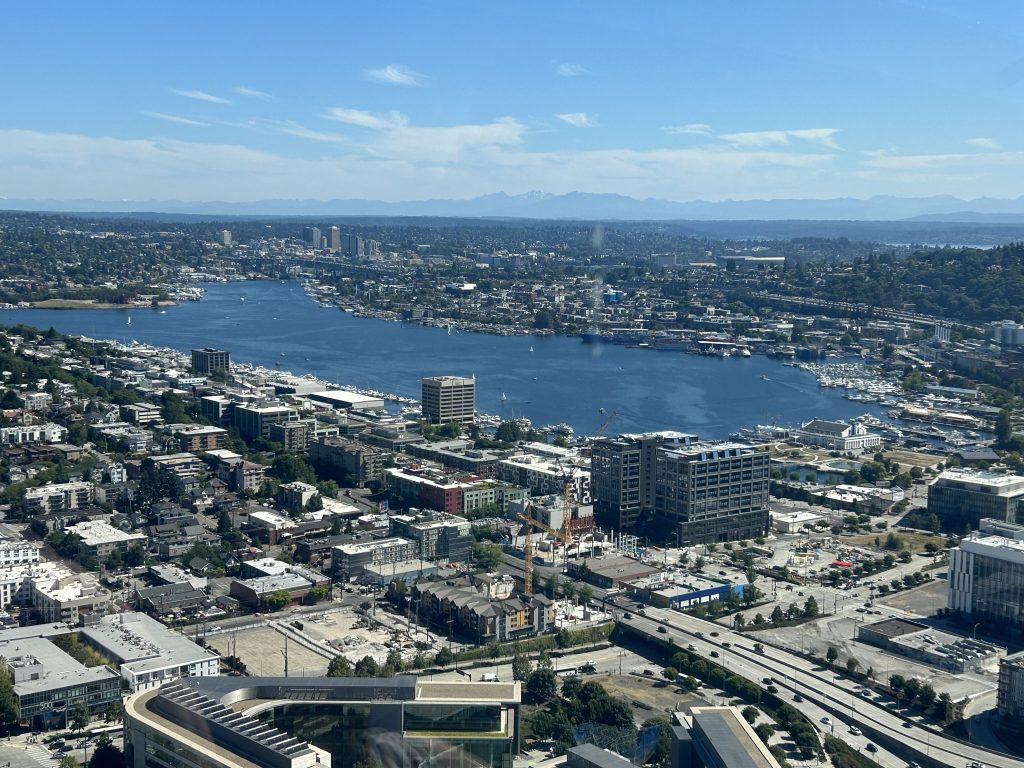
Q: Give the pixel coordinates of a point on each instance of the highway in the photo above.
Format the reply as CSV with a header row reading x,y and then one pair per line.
x,y
817,686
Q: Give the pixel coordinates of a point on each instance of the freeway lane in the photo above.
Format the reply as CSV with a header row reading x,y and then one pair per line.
x,y
794,674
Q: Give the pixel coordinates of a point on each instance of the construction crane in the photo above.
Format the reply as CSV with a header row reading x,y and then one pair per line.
x,y
529,523
605,424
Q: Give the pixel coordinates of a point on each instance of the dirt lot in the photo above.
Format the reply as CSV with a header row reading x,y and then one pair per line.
x,y
913,459
913,540
262,650
923,600
646,691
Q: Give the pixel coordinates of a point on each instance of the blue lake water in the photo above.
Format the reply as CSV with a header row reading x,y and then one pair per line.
x,y
547,379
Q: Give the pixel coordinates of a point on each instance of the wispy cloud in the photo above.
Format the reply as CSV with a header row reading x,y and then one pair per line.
x,y
688,128
823,136
396,74
251,92
576,119
887,159
982,142
200,96
364,119
174,118
568,69
298,130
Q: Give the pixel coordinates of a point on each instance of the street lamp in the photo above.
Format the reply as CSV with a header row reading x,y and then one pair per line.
x,y
975,633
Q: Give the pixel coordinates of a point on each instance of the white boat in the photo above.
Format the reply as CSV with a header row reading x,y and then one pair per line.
x,y
129,320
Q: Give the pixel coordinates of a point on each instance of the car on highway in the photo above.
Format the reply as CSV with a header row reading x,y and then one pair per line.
x,y
662,630
855,730
714,654
798,698
627,615
907,724
826,720
871,747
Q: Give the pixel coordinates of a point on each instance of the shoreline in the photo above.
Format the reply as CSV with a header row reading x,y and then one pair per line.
x,y
88,304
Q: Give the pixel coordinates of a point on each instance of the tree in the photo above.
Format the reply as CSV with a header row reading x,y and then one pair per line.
x,y
551,586
367,667
114,712
106,754
69,761
831,655
542,683
135,556
764,732
750,714
444,657
521,667
277,600
585,594
810,608
1004,429
10,712
488,556
851,665
78,718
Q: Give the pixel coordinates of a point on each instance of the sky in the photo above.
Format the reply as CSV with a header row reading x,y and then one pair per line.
x,y
393,101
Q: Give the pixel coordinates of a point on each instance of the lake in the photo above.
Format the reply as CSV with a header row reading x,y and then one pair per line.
x,y
546,379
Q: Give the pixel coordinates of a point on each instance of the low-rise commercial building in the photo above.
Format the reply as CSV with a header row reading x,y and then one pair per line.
x,y
931,646
147,653
717,737
348,560
837,436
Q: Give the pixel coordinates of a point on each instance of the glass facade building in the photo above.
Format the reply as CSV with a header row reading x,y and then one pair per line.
x,y
986,576
399,722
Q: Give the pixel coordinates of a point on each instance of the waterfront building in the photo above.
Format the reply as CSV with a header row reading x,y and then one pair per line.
x,y
207,360
961,497
837,436
294,722
713,492
448,398
986,576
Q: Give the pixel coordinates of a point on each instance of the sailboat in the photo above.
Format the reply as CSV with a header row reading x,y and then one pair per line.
x,y
449,330
531,349
129,320
504,397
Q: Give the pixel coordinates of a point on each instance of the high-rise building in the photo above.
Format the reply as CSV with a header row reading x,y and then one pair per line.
x,y
353,245
962,497
208,360
225,237
713,492
333,239
311,236
448,398
986,575
622,476
1010,698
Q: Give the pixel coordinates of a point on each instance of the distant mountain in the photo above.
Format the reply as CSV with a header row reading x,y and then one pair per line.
x,y
576,205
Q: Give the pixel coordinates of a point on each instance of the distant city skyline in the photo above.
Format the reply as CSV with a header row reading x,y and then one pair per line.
x,y
665,100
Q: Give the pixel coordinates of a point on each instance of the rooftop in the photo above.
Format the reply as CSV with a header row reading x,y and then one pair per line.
x,y
96,532
140,643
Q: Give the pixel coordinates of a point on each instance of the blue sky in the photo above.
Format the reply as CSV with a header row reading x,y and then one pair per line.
x,y
399,101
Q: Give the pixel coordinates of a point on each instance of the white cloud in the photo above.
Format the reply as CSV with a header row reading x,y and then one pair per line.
x,y
823,136
365,119
983,142
200,96
243,91
568,69
576,119
688,128
174,118
396,74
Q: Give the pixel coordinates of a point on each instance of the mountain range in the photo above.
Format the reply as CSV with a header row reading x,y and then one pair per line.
x,y
577,206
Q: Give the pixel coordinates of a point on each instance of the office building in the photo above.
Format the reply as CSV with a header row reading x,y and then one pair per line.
x,y
311,236
294,722
225,237
986,576
254,420
1010,696
622,476
448,398
963,497
353,245
208,360
362,464
348,560
333,239
713,492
